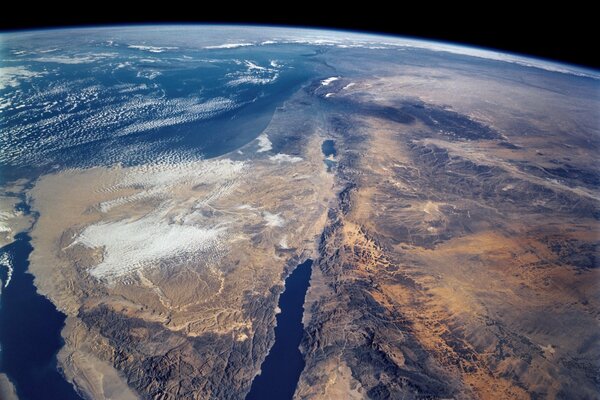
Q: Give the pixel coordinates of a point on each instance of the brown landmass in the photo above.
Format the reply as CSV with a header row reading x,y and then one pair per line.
x,y
12,219
455,264
195,318
455,249
7,389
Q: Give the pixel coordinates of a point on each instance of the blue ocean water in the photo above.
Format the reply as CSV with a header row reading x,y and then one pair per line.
x,y
108,104
282,368
30,328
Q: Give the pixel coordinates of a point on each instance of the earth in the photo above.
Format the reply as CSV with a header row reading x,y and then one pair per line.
x,y
160,185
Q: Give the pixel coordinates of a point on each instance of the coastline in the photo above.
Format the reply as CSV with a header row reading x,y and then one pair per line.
x,y
67,261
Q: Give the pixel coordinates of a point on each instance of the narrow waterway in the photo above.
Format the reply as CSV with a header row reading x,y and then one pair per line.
x,y
282,368
30,329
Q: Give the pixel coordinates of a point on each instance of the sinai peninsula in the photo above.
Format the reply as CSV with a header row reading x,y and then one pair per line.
x,y
230,212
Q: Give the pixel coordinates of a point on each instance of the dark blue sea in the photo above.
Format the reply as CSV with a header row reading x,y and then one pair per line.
x,y
282,368
30,328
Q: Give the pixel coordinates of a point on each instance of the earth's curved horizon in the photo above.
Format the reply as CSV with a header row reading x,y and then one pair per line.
x,y
416,41
160,182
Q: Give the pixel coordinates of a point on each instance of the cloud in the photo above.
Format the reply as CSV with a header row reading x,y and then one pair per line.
x,y
174,230
75,58
130,245
328,81
264,144
255,74
13,76
151,49
273,220
229,46
252,80
280,157
6,260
